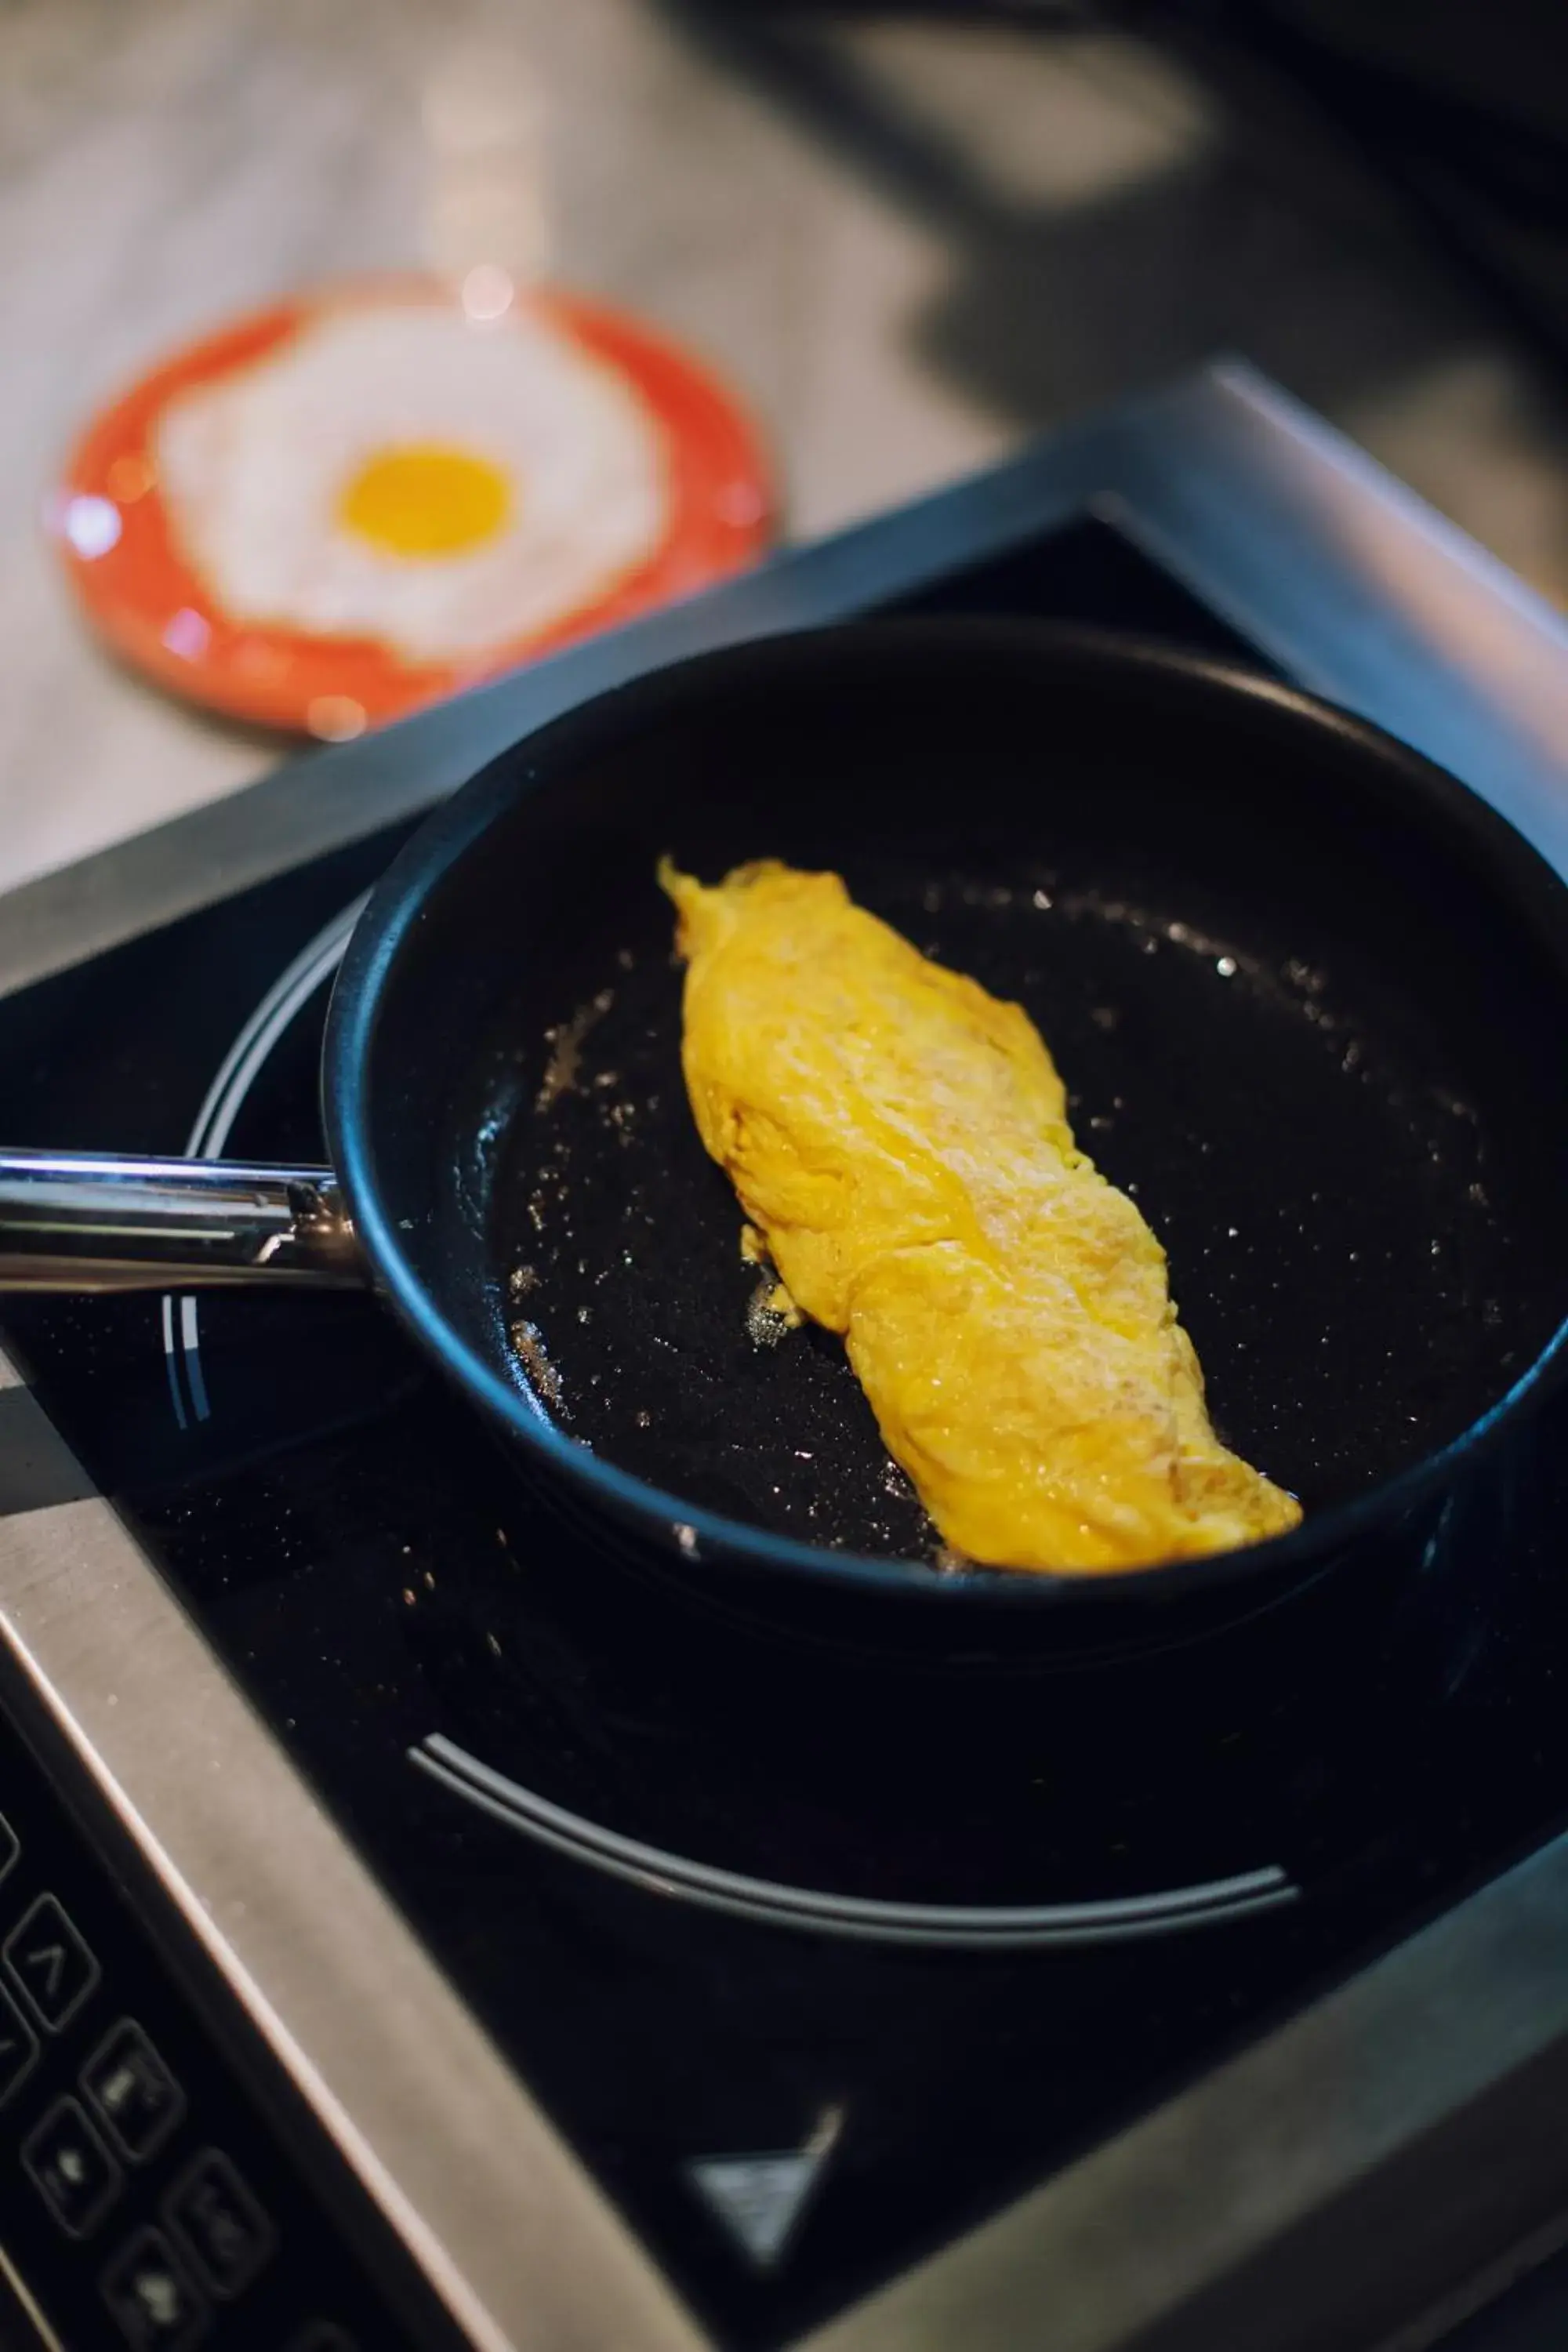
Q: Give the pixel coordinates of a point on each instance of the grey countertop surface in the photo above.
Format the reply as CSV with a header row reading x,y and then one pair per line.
x,y
910,246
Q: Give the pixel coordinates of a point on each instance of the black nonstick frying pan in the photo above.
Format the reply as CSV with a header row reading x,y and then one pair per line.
x,y
1310,996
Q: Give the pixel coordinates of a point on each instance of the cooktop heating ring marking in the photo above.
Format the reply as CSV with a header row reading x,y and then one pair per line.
x,y
284,1001
862,1918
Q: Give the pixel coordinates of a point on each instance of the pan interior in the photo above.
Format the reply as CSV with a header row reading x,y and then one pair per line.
x,y
1300,1026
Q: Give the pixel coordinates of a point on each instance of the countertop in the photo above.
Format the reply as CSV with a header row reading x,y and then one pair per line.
x,y
910,246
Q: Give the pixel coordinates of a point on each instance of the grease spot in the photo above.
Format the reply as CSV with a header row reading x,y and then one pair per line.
x,y
566,1049
530,1346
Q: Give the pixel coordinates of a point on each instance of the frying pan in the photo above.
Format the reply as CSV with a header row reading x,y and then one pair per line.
x,y
1309,995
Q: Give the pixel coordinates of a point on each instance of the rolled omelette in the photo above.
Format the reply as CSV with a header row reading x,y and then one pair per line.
x,y
898,1138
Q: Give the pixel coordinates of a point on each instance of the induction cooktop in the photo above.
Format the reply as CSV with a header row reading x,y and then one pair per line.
x,y
417,1929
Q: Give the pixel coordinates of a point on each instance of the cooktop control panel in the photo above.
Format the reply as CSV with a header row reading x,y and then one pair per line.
x,y
146,2204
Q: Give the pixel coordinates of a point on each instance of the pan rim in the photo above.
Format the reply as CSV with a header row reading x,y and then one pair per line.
x,y
396,906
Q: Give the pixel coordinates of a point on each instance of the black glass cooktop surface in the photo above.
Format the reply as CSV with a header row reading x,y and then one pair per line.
x,y
814,1959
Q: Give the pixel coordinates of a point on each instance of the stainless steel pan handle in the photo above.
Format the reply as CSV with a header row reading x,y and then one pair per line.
x,y
84,1222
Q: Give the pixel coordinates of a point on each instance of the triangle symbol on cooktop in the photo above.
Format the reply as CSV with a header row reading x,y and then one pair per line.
x,y
759,2198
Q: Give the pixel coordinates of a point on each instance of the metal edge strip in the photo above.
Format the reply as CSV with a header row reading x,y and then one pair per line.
x,y
17,2286
1360,590
514,2237
1206,2183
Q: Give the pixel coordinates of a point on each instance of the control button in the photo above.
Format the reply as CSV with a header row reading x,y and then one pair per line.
x,y
133,2091
48,1959
10,1847
322,2336
18,2050
72,2170
219,2224
158,2305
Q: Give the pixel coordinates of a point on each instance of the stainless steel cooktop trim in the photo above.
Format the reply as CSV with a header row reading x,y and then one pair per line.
x,y
22,2294
517,2241
1112,2245
1259,508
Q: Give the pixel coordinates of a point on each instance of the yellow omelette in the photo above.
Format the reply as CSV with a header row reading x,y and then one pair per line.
x,y
898,1138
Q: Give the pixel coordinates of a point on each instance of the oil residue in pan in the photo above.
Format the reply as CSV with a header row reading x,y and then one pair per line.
x,y
528,1343
636,1319
766,1321
565,1042
1312,1157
